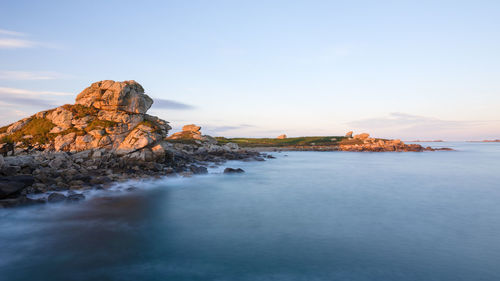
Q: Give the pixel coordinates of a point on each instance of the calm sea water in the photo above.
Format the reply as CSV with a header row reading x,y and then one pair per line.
x,y
305,216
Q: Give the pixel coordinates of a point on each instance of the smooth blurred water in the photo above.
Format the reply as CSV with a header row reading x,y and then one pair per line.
x,y
306,216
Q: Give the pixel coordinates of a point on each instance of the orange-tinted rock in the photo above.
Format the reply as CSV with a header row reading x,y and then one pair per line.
x,y
110,95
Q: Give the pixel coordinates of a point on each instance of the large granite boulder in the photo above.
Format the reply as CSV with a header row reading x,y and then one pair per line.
x,y
61,117
110,95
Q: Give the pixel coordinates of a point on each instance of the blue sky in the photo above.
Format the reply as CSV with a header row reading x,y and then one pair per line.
x,y
398,69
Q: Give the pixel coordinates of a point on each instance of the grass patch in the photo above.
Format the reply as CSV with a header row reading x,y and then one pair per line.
x,y
4,129
39,128
97,124
80,111
273,142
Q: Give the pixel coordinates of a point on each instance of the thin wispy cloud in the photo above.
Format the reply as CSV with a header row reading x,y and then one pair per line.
x,y
17,91
229,128
399,124
170,104
28,101
16,43
30,75
39,100
11,33
11,40
408,121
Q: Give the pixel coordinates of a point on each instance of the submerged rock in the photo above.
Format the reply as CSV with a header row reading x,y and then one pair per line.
x,y
233,171
198,169
56,197
76,197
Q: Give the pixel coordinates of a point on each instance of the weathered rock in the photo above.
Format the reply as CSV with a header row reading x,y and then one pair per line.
x,y
61,117
191,128
19,201
362,136
231,146
76,197
188,132
198,169
117,96
17,126
280,137
140,137
233,171
62,142
56,197
82,123
84,142
349,134
14,184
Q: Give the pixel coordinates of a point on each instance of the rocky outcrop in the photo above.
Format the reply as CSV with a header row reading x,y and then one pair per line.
x,y
362,136
189,132
281,137
125,96
349,134
379,145
108,114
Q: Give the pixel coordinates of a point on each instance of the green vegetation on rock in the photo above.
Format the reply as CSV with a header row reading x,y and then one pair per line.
x,y
274,142
97,124
37,128
80,111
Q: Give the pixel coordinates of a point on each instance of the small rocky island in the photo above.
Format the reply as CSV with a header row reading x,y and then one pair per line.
x,y
107,137
350,142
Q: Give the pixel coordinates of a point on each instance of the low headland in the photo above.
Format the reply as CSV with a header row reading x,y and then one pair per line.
x,y
107,137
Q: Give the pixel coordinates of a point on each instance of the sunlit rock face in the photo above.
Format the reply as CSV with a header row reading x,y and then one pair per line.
x,y
190,131
109,115
117,96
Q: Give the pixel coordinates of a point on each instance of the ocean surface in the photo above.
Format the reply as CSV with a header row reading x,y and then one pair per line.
x,y
303,216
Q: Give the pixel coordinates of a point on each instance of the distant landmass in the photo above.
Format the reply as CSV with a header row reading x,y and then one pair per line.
x,y
497,140
426,141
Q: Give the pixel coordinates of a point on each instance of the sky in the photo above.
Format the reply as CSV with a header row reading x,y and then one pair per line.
x,y
394,69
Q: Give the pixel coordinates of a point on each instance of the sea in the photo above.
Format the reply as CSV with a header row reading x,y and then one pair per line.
x,y
357,216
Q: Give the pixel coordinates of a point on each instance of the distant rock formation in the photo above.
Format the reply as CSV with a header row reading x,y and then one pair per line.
x,y
362,136
281,137
108,114
349,134
188,132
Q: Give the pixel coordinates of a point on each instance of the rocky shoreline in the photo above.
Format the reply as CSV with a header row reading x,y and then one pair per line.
x,y
52,173
105,137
